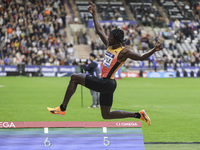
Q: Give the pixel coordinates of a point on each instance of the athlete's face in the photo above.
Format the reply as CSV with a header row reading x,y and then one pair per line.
x,y
112,40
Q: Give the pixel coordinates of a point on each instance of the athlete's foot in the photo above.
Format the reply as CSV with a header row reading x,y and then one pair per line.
x,y
56,111
144,117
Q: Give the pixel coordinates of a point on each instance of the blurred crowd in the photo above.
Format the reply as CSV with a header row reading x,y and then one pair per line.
x,y
181,41
33,32
112,12
187,40
80,37
147,15
170,56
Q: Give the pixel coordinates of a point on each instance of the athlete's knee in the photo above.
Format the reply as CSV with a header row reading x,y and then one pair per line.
x,y
74,78
77,78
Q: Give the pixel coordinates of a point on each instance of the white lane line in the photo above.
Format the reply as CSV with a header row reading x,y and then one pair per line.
x,y
104,129
1,86
46,130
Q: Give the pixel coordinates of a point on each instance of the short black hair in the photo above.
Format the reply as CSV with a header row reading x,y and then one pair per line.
x,y
93,55
118,34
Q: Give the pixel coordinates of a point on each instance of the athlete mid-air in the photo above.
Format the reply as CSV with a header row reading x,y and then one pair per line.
x,y
115,57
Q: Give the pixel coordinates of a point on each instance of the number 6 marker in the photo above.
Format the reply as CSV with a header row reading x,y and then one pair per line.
x,y
106,142
47,142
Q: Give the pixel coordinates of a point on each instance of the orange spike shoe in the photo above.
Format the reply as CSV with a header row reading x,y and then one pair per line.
x,y
144,117
56,111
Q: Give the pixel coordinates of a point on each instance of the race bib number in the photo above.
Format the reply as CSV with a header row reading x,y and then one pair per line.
x,y
108,59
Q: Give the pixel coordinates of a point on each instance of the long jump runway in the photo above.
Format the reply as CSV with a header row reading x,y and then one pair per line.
x,y
71,136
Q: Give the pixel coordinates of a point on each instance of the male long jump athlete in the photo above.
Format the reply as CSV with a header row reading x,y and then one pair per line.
x,y
115,56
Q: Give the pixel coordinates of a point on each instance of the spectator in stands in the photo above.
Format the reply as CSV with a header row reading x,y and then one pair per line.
x,y
187,31
6,60
116,14
197,58
93,45
56,62
70,48
146,20
80,37
176,25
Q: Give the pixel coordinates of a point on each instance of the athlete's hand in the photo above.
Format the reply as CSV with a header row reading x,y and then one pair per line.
x,y
91,8
158,46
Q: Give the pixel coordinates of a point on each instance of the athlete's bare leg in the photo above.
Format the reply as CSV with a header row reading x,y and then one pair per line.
x,y
107,114
75,80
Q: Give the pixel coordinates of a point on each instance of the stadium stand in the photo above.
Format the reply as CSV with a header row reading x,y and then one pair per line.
x,y
112,10
108,10
82,7
178,10
181,40
38,32
33,32
145,12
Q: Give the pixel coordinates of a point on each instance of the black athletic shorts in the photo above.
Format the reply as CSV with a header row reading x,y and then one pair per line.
x,y
106,87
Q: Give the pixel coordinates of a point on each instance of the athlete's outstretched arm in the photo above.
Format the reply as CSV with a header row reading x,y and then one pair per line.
x,y
97,25
124,54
